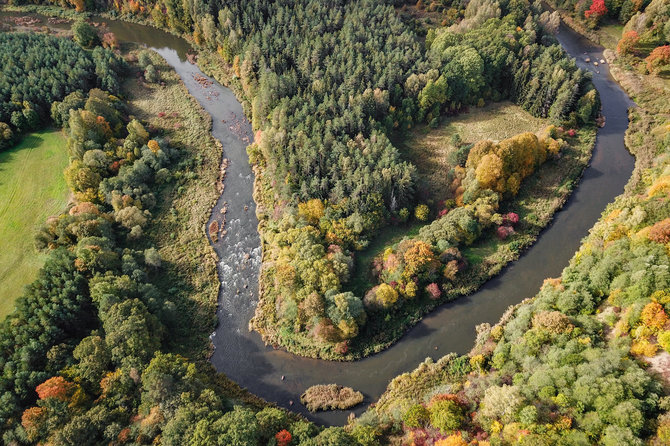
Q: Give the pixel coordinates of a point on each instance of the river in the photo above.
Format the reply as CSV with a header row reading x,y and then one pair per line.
x,y
281,377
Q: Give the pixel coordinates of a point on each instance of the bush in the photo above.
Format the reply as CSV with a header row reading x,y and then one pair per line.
x,y
658,59
330,396
552,321
660,232
628,42
446,415
85,34
421,212
528,415
452,440
664,340
433,291
653,316
501,403
417,416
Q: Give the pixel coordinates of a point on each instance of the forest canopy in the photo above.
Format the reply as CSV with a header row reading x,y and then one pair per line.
x,y
38,69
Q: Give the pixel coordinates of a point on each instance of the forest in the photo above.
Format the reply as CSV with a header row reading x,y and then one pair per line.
x,y
325,83
47,70
582,362
87,356
347,75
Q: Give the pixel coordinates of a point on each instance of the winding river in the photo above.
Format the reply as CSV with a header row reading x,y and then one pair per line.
x,y
278,376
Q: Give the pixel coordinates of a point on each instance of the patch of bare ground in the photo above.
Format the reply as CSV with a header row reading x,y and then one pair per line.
x,y
660,365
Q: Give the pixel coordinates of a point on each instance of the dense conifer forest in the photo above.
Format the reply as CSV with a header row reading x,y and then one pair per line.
x,y
39,69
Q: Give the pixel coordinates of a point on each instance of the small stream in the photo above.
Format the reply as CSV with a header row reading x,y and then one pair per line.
x,y
281,377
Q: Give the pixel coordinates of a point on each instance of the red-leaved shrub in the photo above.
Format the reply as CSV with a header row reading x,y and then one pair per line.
x,y
433,291
283,438
597,10
660,232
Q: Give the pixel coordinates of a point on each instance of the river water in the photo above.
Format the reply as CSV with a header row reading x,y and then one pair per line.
x,y
280,377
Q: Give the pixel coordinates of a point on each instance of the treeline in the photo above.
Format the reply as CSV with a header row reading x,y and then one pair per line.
x,y
325,82
38,69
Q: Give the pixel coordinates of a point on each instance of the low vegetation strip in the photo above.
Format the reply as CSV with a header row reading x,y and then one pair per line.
x,y
32,188
330,396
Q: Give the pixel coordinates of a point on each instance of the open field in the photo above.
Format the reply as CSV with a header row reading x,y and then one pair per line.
x,y
32,188
429,149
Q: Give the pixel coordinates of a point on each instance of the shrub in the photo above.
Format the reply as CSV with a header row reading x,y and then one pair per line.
x,y
56,387
528,415
653,316
417,416
32,421
552,321
452,440
385,295
330,396
664,340
510,219
504,231
433,291
446,415
659,58
660,232
501,403
84,34
421,212
597,10
643,347
628,41
150,74
283,437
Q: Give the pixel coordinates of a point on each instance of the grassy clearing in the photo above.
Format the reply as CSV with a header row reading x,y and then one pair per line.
x,y
32,188
610,34
429,149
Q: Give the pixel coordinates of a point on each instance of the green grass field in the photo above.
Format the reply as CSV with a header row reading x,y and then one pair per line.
x,y
32,188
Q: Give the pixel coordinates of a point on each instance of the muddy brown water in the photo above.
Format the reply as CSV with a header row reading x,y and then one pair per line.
x,y
281,377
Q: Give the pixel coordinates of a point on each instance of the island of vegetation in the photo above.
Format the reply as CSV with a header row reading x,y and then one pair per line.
x,y
330,396
109,344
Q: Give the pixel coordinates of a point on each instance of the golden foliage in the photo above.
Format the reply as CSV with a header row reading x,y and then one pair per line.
x,y
312,210
153,146
452,440
654,316
643,347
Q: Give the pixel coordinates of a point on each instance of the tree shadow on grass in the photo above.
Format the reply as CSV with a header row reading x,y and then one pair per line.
x,y
10,156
